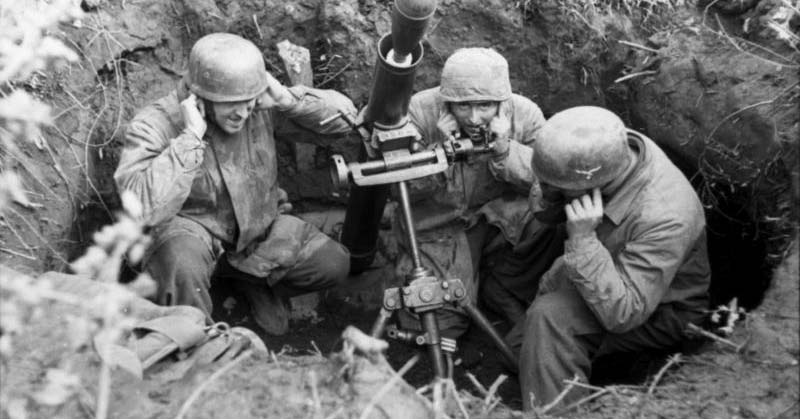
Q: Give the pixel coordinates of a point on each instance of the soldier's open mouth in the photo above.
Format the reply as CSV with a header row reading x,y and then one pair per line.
x,y
472,131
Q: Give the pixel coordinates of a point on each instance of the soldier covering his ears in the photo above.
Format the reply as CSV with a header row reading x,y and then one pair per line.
x,y
472,209
634,271
202,160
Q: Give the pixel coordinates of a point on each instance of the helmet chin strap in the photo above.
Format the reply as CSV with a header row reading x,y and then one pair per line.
x,y
182,89
210,113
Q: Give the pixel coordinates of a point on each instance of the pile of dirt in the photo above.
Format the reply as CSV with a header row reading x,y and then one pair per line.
x,y
301,382
758,380
54,373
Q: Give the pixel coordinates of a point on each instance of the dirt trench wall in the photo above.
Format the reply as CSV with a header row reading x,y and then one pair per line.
x,y
561,53
133,52
727,113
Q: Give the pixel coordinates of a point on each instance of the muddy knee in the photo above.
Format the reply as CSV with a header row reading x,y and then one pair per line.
x,y
333,264
182,268
327,266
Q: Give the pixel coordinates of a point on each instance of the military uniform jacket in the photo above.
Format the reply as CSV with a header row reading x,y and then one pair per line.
x,y
649,249
225,182
469,189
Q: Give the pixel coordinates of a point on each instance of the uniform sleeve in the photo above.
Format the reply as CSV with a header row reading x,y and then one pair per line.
x,y
315,105
530,119
515,168
158,169
423,115
624,290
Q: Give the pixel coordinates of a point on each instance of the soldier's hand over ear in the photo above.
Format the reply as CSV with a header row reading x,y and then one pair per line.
x,y
584,214
276,95
447,125
193,112
500,127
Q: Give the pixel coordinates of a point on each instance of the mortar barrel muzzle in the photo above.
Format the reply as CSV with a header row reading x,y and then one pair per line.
x,y
409,21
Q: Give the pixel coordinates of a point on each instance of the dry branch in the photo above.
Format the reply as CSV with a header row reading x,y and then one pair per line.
x,y
633,75
635,45
546,408
751,106
66,138
312,381
577,383
60,171
477,384
389,384
16,234
695,329
258,27
38,235
491,401
674,359
583,400
789,63
452,388
331,78
22,255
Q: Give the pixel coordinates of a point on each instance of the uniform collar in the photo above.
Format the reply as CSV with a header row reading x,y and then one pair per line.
x,y
623,197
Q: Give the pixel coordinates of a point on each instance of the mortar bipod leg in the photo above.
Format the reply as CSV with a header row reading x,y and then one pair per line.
x,y
431,328
487,327
380,323
427,318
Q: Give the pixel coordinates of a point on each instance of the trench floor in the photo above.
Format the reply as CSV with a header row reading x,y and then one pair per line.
x,y
476,354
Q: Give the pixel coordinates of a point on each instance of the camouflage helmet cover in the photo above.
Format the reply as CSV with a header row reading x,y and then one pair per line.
x,y
224,67
475,74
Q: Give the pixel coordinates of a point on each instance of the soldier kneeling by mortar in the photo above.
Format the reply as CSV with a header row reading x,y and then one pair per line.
x,y
469,211
634,272
202,160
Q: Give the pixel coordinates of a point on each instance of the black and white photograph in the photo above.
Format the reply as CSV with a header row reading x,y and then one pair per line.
x,y
399,209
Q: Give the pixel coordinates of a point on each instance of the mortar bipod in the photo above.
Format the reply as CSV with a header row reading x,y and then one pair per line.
x,y
424,294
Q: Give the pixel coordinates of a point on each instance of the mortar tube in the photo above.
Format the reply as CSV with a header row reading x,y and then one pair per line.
x,y
361,222
392,85
410,20
387,106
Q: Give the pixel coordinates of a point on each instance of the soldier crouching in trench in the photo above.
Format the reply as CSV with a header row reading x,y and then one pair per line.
x,y
202,160
468,213
634,271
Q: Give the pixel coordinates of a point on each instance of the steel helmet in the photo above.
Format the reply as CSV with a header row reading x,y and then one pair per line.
x,y
475,74
581,148
224,67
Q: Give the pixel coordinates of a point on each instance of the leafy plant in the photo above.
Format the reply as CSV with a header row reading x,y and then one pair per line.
x,y
26,49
